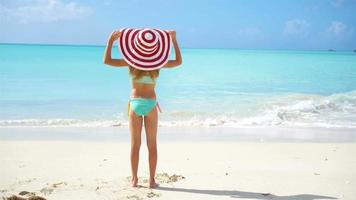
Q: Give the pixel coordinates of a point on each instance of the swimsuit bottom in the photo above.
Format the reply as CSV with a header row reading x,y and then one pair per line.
x,y
142,106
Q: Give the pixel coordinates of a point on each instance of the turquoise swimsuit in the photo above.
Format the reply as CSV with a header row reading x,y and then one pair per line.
x,y
144,80
143,106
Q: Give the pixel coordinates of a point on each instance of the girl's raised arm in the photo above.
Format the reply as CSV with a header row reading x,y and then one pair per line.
x,y
178,60
107,55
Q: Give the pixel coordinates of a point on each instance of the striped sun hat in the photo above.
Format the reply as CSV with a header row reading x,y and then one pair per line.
x,y
145,49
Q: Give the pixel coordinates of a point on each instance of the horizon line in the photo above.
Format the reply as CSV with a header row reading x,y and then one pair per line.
x,y
232,48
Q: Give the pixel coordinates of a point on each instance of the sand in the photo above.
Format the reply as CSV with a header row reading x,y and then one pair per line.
x,y
64,169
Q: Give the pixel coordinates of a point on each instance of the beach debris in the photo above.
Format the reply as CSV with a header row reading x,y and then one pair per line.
x,y
97,188
22,193
27,193
14,197
326,159
266,194
316,174
152,194
36,198
58,184
226,174
105,159
46,190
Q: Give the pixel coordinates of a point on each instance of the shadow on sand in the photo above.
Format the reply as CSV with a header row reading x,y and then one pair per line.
x,y
246,195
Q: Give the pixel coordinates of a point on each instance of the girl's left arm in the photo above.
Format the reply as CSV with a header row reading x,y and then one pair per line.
x,y
107,55
178,60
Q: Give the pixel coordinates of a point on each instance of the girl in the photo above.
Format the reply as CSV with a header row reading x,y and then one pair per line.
x,y
142,106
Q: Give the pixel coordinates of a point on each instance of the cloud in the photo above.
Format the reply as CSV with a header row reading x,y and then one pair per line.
x,y
27,11
338,29
337,3
296,28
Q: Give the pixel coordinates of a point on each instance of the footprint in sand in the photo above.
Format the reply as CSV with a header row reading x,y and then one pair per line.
x,y
46,190
152,194
161,178
22,182
133,197
165,178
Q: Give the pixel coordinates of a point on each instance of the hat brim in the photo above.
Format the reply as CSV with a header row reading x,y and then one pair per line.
x,y
140,53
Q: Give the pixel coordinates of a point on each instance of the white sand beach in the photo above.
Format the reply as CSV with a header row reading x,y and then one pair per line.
x,y
88,169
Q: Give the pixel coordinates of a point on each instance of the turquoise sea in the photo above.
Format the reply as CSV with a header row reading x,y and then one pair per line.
x,y
69,86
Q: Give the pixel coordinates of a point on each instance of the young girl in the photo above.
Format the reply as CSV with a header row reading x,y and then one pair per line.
x,y
142,106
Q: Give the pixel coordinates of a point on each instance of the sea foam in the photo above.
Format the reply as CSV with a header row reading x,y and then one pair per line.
x,y
307,110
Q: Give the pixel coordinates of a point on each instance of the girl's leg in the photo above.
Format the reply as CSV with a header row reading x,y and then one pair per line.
x,y
151,123
135,135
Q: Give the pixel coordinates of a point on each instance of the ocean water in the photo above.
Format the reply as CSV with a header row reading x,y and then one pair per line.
x,y
69,86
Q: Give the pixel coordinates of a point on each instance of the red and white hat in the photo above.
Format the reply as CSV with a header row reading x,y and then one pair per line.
x,y
145,49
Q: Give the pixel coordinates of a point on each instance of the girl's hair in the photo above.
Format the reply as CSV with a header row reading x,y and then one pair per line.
x,y
137,74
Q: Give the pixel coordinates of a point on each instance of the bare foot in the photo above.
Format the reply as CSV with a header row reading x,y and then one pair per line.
x,y
134,181
152,183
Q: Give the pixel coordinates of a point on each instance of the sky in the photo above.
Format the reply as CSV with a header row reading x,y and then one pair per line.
x,y
242,24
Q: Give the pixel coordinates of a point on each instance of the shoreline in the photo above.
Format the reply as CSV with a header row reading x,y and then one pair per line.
x,y
270,134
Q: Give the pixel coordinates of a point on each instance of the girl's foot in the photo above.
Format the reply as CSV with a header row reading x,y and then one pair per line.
x,y
134,181
152,183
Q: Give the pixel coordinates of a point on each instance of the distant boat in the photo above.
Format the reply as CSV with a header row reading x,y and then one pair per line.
x,y
354,50
331,49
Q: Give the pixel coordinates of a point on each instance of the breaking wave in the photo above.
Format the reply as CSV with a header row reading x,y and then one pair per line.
x,y
337,110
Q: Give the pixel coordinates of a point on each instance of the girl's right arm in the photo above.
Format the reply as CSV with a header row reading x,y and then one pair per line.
x,y
107,55
178,60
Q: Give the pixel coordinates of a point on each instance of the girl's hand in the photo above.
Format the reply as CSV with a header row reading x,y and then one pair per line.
x,y
114,36
172,34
